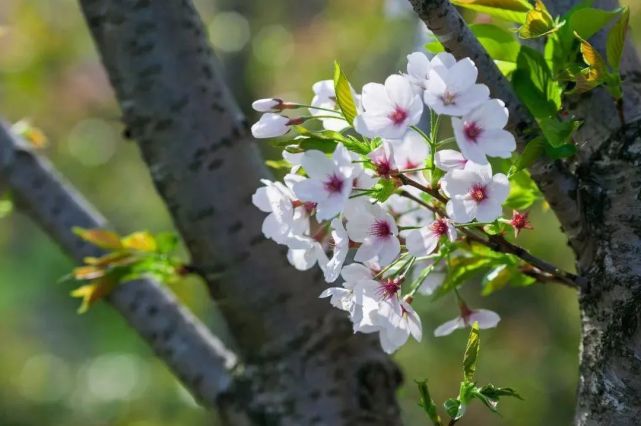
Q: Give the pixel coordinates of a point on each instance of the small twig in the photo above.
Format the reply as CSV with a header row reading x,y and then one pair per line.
x,y
495,242
428,190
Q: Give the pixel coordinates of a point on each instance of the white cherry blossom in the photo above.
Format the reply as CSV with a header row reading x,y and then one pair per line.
x,y
408,212
396,320
423,241
449,159
370,225
410,152
353,296
277,200
485,318
273,125
419,67
480,134
444,60
325,97
268,105
389,110
383,160
453,90
303,252
418,70
340,246
474,193
330,181
432,281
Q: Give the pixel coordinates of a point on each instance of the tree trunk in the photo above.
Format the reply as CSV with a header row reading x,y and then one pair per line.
x,y
610,193
608,244
302,363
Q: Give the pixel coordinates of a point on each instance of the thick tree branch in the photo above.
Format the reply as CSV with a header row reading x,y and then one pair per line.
x,y
553,178
305,366
194,355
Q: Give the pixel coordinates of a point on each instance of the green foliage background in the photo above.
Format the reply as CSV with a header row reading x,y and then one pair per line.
x,y
58,368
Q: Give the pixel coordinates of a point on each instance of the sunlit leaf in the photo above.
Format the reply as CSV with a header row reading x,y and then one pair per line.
x,y
344,94
99,237
597,69
499,42
588,21
509,10
534,84
141,241
88,272
471,353
616,39
92,292
523,191
278,164
538,22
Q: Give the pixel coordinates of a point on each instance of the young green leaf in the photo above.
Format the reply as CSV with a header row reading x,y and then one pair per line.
x,y
533,150
558,132
509,10
427,403
523,191
597,70
490,395
534,84
453,408
499,43
616,40
383,189
99,237
538,22
344,96
278,164
558,152
471,353
587,21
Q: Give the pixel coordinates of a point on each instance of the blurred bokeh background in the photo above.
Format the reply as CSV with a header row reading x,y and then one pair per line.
x,y
59,368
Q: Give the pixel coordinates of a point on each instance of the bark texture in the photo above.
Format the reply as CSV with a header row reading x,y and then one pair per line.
x,y
303,364
608,246
196,357
597,198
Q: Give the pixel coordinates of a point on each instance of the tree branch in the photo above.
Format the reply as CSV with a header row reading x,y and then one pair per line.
x,y
497,243
554,179
304,364
199,359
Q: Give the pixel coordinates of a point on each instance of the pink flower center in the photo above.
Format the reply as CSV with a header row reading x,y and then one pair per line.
x,y
381,229
448,98
410,165
478,193
334,184
309,207
398,116
388,288
439,227
465,313
383,167
471,130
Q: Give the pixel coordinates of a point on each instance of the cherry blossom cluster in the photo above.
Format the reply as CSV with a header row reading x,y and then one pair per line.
x,y
386,206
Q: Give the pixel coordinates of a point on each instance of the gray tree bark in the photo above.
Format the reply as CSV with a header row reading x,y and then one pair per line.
x,y
196,357
302,363
597,198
